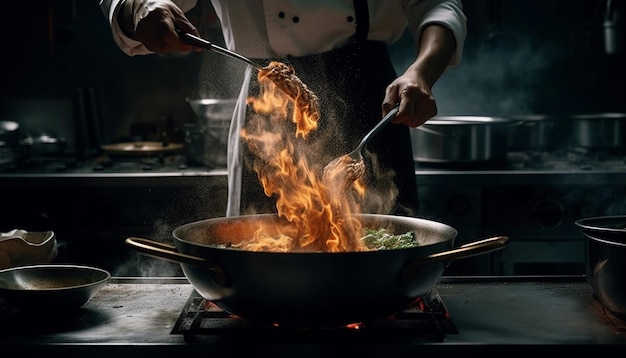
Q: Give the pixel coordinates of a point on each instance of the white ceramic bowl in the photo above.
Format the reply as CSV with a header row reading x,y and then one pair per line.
x,y
19,247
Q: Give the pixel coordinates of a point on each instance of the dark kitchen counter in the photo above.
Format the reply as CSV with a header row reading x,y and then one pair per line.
x,y
87,177
136,315
527,169
425,176
172,170
495,177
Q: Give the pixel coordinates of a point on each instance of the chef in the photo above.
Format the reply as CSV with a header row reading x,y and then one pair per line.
x,y
338,49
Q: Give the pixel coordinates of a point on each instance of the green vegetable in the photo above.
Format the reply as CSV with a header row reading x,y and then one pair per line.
x,y
383,239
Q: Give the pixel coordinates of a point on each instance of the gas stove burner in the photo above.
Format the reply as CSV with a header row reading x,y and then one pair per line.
x,y
427,319
128,164
571,159
48,164
578,154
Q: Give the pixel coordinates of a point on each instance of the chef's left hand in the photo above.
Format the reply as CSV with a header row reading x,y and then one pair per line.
x,y
416,100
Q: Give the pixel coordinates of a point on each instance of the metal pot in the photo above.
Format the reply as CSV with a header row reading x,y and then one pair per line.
x,y
597,131
311,288
531,133
207,141
457,140
606,260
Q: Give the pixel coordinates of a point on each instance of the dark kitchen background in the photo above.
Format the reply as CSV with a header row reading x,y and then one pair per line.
x,y
521,57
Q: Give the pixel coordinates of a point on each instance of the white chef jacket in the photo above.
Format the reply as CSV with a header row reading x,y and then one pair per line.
x,y
278,28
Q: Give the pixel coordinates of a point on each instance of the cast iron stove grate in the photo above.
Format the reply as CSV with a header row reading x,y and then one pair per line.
x,y
427,319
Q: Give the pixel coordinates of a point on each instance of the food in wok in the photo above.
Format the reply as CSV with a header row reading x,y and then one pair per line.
x,y
284,77
373,239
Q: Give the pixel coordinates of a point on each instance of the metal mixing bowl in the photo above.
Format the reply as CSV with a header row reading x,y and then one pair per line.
x,y
51,287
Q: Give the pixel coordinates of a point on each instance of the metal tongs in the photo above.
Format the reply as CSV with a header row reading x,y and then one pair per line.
x,y
196,41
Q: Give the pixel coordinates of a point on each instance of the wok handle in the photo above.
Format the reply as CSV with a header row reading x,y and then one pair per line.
x,y
169,253
468,250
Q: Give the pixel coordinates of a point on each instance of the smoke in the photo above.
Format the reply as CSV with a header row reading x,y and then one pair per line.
x,y
600,200
499,74
219,77
144,266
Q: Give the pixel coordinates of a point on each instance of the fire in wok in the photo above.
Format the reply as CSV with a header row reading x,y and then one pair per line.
x,y
318,270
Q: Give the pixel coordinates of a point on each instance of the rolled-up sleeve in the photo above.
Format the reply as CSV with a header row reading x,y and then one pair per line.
x,y
131,47
448,13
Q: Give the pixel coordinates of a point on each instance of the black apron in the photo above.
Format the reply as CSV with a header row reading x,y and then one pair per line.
x,y
350,83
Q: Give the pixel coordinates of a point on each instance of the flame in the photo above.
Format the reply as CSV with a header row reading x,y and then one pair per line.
x,y
282,76
354,326
323,212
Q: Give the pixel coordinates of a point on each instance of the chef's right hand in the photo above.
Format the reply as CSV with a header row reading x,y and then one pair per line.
x,y
154,23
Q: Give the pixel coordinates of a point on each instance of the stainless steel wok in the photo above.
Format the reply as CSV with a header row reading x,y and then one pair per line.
x,y
310,289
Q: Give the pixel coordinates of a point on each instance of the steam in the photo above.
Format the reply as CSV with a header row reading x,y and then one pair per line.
x,y
140,265
499,78
498,75
219,77
595,201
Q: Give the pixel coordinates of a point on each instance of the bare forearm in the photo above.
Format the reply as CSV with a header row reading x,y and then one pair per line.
x,y
413,89
437,45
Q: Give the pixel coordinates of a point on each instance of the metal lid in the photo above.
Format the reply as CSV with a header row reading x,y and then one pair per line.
x,y
467,120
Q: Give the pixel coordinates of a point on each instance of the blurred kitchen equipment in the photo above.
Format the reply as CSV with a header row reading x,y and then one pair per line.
x,y
141,149
461,140
534,132
206,141
356,156
19,247
41,143
192,40
606,260
613,28
597,130
322,289
9,140
9,132
51,287
87,113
